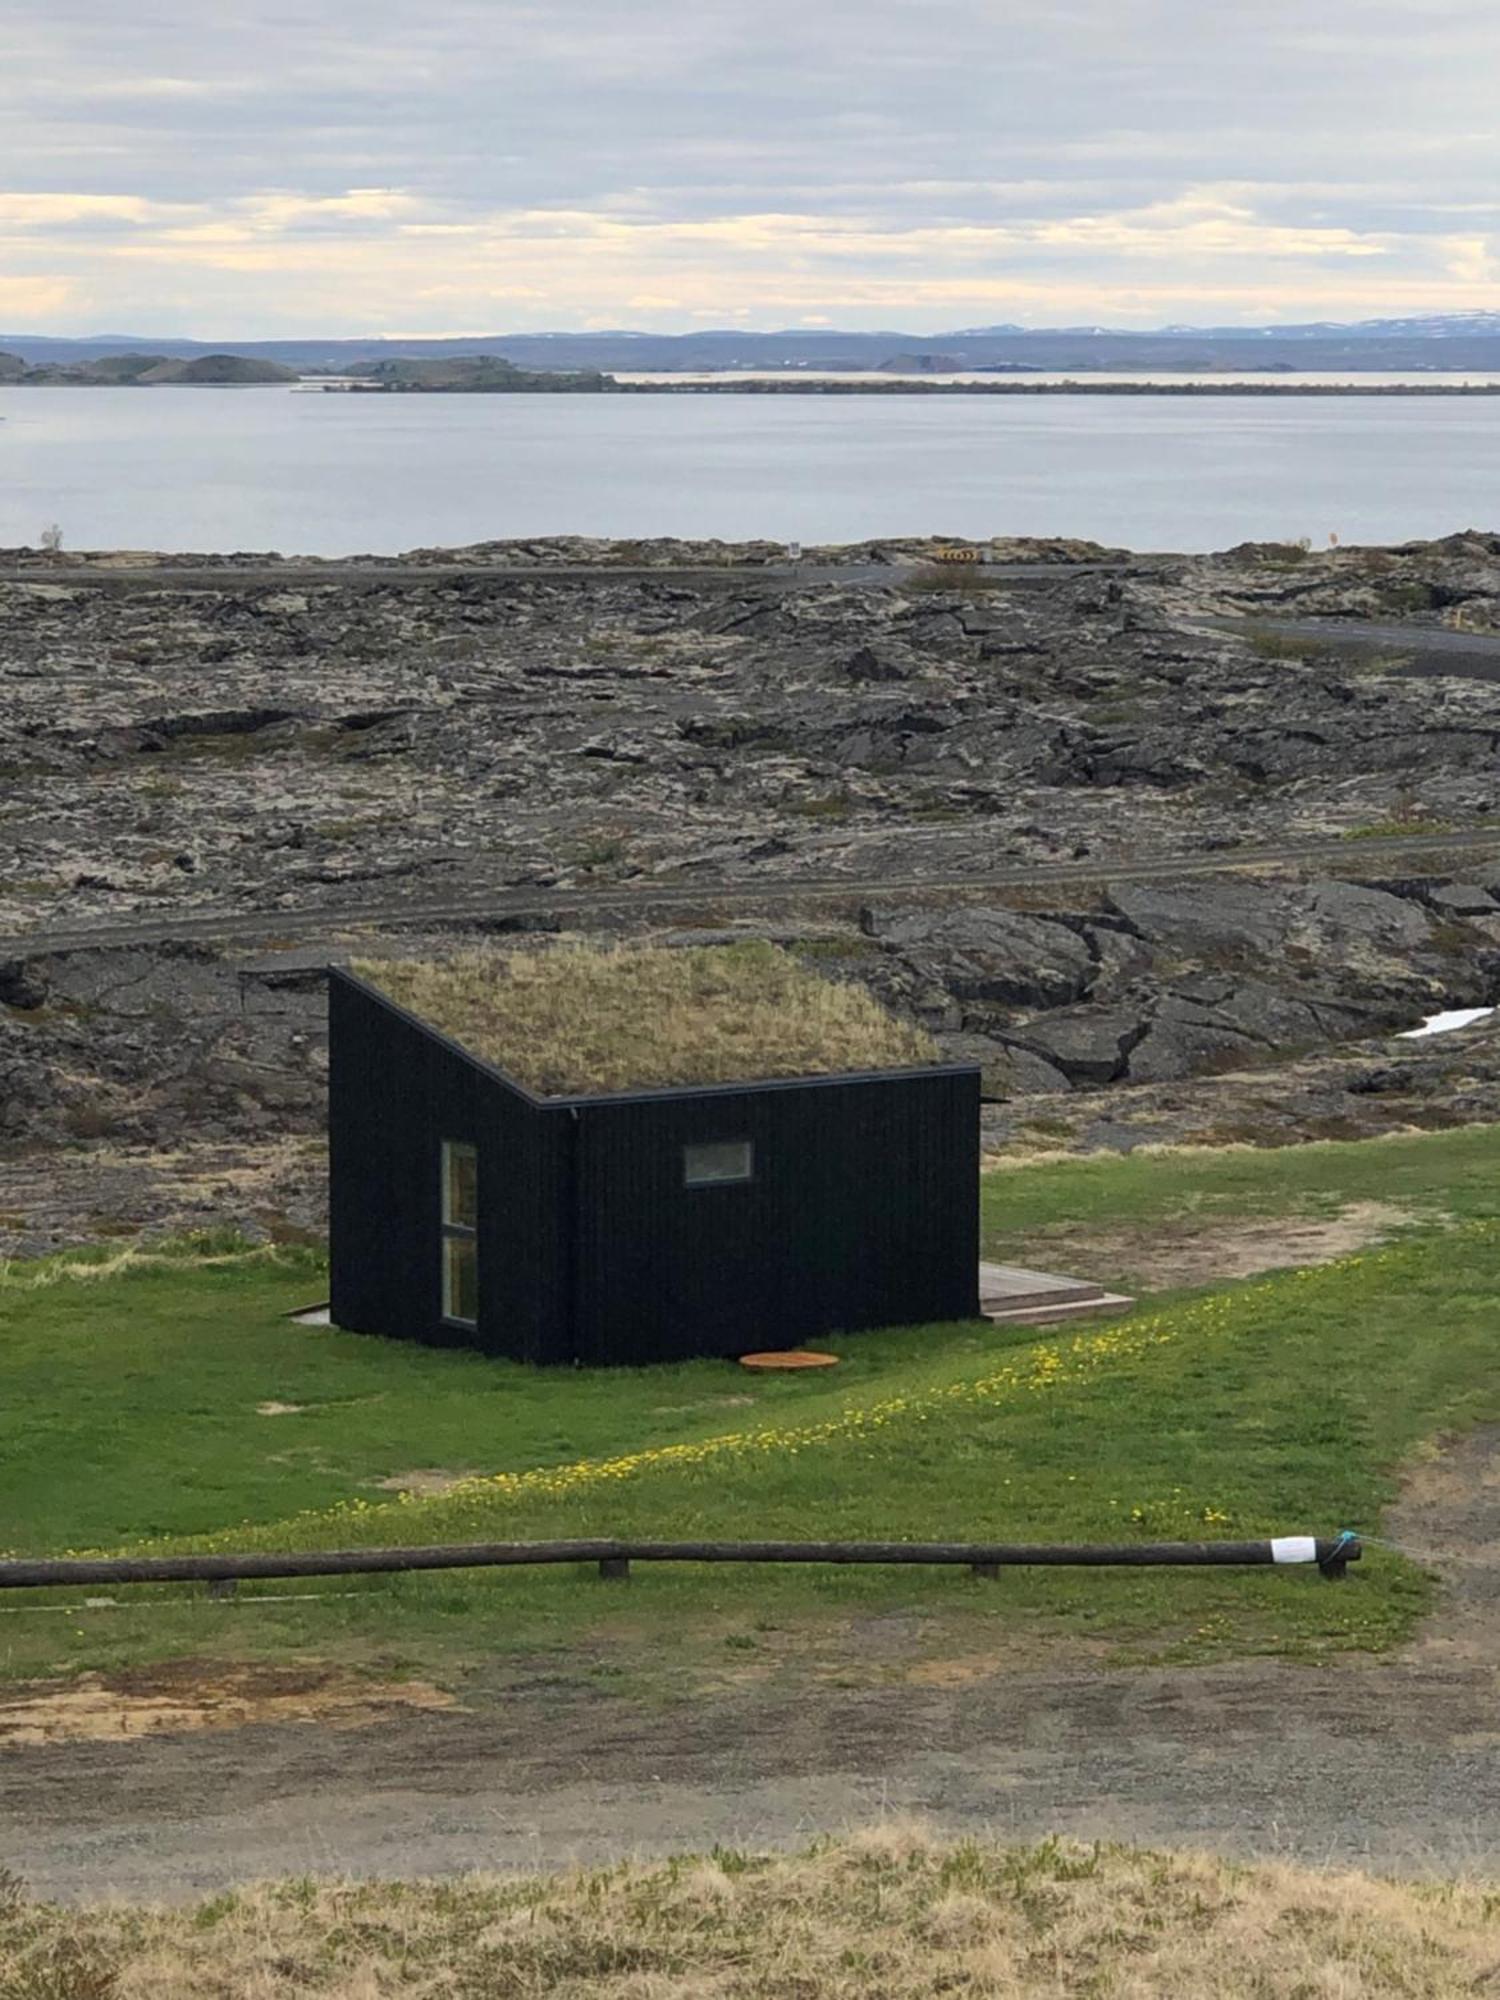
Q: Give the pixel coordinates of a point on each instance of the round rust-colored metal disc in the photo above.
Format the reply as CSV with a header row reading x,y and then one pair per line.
x,y
791,1357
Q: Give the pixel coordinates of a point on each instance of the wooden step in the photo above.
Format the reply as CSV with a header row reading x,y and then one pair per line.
x,y
1058,1312
1009,1285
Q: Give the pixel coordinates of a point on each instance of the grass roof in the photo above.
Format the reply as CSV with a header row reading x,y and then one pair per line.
x,y
578,1018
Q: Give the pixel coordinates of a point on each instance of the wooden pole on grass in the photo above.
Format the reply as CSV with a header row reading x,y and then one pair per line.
x,y
1332,1555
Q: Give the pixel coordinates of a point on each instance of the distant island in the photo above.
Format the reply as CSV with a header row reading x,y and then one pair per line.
x,y
495,374
144,371
472,374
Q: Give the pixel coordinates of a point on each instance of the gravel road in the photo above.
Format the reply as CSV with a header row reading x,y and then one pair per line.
x,y
1392,1764
546,906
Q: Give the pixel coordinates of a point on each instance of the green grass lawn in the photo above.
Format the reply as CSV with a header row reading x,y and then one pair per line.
x,y
1111,1209
178,1399
1455,1173
129,1413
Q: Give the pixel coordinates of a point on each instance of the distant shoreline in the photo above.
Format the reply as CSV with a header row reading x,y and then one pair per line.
x,y
1079,386
791,386
527,383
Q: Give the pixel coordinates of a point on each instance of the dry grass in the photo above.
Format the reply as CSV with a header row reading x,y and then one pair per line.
x,y
90,1267
577,1018
893,1913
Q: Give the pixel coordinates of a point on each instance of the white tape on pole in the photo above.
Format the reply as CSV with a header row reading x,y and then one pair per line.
x,y
1294,1549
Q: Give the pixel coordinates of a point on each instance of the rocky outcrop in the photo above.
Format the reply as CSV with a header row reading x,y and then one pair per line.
x,y
1143,986
478,731
1167,980
1417,581
158,1046
311,738
997,956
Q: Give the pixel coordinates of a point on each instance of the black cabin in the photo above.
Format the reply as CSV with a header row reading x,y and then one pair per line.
x,y
637,1225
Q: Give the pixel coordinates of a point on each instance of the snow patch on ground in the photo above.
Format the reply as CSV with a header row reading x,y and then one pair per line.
x,y
1442,1024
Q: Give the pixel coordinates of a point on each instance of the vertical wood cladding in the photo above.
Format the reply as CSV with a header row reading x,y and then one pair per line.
x,y
862,1209
396,1091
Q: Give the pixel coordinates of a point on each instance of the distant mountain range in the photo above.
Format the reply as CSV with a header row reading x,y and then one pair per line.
x,y
1423,341
1425,326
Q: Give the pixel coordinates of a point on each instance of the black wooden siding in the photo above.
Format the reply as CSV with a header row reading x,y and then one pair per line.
x,y
862,1211
396,1091
863,1208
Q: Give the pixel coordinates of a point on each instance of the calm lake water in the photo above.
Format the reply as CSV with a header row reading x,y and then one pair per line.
x,y
229,469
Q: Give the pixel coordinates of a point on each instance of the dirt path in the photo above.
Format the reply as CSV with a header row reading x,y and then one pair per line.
x,y
1207,1247
1395,1764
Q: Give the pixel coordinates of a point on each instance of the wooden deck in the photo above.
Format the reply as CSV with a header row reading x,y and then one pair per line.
x,y
1013,1296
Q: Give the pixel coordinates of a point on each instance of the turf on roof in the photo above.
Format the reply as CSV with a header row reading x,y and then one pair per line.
x,y
572,1019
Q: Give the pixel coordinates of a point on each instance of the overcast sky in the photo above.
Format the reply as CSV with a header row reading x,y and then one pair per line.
x,y
251,168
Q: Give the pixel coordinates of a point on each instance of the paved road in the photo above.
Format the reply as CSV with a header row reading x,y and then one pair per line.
x,y
546,905
1357,635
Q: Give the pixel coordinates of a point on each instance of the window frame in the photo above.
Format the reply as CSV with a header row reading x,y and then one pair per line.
x,y
453,1232
692,1181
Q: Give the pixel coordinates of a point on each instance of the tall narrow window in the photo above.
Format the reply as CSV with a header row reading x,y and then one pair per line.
x,y
460,1232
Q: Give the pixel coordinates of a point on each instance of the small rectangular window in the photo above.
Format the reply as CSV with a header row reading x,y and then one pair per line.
x,y
718,1162
460,1225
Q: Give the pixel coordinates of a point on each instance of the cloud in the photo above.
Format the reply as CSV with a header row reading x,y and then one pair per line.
x,y
300,166
146,89
1472,260
23,299
20,210
1203,225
